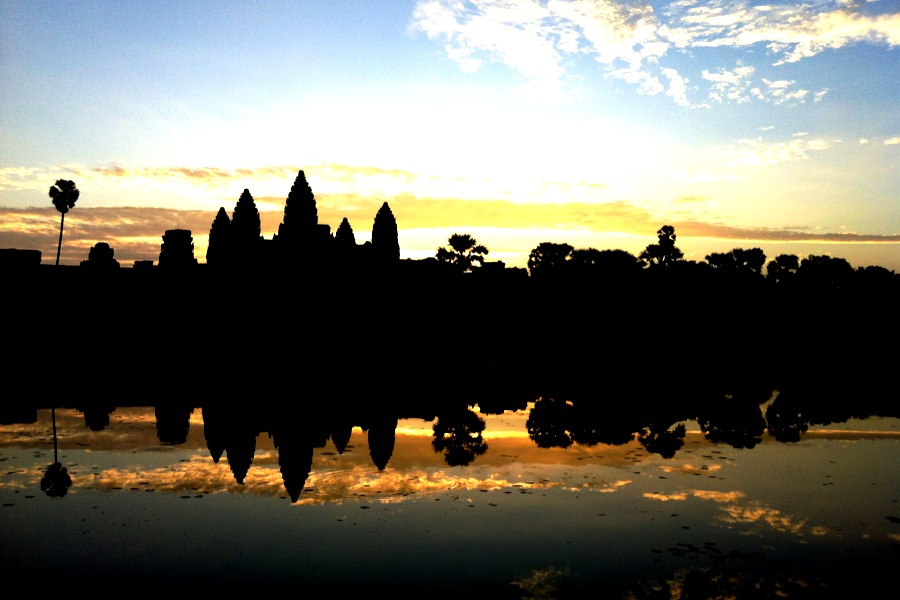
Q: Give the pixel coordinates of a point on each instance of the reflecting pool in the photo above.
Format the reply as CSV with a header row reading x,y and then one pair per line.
x,y
507,504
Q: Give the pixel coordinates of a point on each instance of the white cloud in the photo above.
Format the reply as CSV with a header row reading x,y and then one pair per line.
x,y
756,153
892,141
730,86
630,40
677,87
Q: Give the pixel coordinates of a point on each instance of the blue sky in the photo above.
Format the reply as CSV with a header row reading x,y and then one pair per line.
x,y
743,124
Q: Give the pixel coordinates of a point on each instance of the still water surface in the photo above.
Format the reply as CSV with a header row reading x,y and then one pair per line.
x,y
386,507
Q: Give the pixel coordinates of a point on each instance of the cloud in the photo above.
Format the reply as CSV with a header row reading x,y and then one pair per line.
x,y
629,40
731,86
791,32
756,153
892,141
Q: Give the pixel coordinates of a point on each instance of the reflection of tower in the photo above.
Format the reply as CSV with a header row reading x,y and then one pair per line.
x,y
295,456
239,450
214,428
231,432
96,415
177,250
341,432
382,435
295,437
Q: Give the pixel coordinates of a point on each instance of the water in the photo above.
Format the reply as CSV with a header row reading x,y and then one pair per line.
x,y
197,500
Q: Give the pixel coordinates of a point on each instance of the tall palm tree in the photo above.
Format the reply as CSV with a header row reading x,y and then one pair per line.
x,y
64,195
465,252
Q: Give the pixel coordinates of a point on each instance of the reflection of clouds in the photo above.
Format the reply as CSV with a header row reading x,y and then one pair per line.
x,y
736,513
689,469
718,496
666,497
702,494
603,487
197,475
772,517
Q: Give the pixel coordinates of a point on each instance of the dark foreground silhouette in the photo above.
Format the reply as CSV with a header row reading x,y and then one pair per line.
x,y
309,317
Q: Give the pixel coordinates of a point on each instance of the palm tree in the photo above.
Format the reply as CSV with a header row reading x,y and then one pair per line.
x,y
663,253
64,195
464,252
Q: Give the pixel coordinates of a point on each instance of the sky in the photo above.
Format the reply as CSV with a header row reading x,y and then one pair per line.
x,y
743,124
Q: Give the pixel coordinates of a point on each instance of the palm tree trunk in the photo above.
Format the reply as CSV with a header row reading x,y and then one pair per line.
x,y
55,447
59,246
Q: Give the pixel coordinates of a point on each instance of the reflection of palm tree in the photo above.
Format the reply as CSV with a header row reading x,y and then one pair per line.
x,y
56,480
64,195
459,437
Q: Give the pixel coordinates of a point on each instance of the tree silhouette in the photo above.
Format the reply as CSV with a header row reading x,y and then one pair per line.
x,y
783,268
738,261
64,195
385,241
664,252
549,258
825,272
464,252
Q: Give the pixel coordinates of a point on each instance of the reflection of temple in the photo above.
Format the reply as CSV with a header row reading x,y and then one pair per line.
x,y
233,431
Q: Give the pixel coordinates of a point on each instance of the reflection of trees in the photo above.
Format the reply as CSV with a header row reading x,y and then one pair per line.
x,y
459,436
786,420
659,437
736,421
549,423
592,426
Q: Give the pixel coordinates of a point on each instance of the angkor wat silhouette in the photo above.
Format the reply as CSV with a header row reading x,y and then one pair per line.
x,y
310,315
